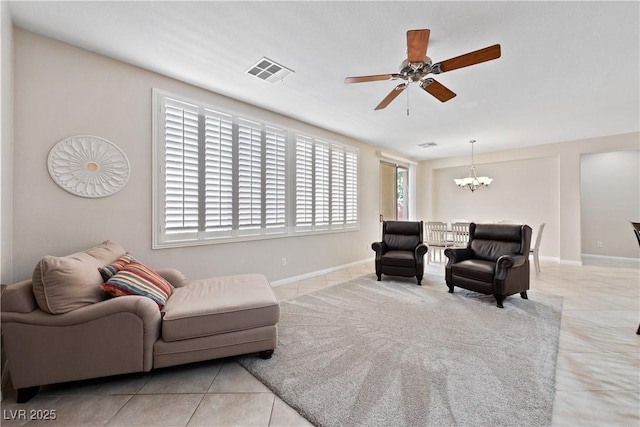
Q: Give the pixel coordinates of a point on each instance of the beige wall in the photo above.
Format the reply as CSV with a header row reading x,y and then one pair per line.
x,y
62,91
6,146
560,175
506,198
610,198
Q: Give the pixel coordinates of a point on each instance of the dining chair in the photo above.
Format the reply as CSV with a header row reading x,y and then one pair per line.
x,y
536,248
636,230
436,238
460,234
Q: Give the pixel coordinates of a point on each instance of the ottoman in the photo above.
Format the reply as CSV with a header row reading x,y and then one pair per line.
x,y
218,317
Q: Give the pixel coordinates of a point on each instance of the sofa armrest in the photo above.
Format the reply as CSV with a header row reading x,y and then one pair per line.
x,y
506,263
510,261
380,248
457,255
19,298
111,337
140,306
420,252
173,276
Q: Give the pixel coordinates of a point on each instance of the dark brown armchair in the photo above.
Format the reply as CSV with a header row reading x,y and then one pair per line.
x,y
401,251
495,261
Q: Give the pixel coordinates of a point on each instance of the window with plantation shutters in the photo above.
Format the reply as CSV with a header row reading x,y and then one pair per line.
x,y
218,171
181,186
351,188
275,180
249,175
326,185
322,186
220,177
304,183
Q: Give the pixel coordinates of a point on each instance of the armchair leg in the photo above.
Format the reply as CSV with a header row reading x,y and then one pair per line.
x,y
419,278
450,288
524,295
499,300
27,393
379,276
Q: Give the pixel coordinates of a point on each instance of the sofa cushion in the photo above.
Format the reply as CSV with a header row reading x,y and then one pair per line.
x,y
401,242
476,269
138,279
62,284
219,305
399,258
491,250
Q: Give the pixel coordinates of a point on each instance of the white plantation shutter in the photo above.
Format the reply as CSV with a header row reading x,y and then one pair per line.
x,y
181,183
249,175
322,185
304,183
275,179
218,203
337,186
351,188
220,177
326,185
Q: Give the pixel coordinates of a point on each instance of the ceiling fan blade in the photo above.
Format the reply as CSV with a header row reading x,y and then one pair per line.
x,y
392,95
417,42
437,89
471,58
375,78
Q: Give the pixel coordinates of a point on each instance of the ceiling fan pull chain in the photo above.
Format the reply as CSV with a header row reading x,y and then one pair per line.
x,y
408,102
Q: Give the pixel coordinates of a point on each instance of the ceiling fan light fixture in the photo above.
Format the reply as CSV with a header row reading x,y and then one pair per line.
x,y
473,182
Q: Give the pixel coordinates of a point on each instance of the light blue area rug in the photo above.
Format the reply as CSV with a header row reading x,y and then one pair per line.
x,y
390,353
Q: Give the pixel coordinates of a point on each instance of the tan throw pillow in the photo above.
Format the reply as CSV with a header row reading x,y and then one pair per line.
x,y
63,284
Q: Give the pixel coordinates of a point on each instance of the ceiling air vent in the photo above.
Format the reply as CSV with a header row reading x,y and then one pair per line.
x,y
427,145
269,71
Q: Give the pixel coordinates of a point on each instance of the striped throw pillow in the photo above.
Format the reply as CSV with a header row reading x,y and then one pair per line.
x,y
137,279
117,265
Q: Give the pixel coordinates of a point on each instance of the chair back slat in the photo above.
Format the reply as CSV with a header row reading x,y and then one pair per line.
x,y
460,234
436,233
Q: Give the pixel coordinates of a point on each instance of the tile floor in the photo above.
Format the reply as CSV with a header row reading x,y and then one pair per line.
x,y
597,375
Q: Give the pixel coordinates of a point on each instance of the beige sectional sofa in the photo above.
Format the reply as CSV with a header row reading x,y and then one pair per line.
x,y
60,326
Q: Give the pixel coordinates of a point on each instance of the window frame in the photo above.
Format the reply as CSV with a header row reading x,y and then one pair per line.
x,y
285,151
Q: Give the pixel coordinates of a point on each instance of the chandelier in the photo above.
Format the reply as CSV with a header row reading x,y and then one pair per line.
x,y
473,182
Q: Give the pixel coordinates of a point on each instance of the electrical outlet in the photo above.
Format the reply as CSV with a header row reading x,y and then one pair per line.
x,y
599,244
283,262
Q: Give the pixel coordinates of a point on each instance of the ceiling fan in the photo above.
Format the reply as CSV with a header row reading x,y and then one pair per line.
x,y
418,66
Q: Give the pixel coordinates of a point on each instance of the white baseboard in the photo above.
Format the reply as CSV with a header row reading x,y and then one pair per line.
x,y
613,258
569,262
319,272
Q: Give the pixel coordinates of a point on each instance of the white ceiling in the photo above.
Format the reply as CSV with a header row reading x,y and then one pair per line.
x,y
569,70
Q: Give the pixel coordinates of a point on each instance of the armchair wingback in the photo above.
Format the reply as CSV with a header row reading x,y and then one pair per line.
x,y
401,251
495,261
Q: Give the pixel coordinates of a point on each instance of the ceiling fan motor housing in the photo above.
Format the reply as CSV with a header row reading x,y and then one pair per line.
x,y
415,71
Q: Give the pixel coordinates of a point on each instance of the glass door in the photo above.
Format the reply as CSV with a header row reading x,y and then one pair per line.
x,y
394,192
402,193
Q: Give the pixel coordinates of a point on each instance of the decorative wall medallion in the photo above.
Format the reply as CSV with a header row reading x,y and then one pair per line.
x,y
88,166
